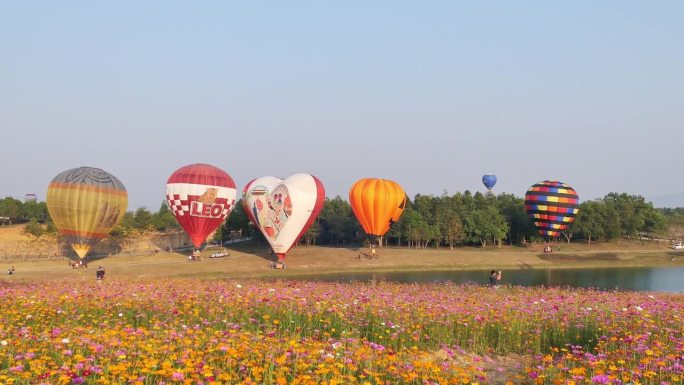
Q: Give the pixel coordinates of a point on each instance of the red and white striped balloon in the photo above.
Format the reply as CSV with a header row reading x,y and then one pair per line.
x,y
200,196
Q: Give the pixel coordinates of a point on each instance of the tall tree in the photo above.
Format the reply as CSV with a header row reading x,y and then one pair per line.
x,y
163,219
11,208
590,222
486,224
337,221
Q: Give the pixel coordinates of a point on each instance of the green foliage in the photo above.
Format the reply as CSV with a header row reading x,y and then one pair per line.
x,y
591,221
337,222
618,216
34,228
312,233
34,210
236,225
428,221
10,207
673,217
164,220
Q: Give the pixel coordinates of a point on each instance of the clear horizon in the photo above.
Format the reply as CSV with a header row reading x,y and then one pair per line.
x,y
430,95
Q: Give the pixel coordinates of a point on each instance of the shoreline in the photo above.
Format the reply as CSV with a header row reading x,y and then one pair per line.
x,y
308,261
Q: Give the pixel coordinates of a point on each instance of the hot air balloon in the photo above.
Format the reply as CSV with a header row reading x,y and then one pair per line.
x,y
552,205
200,196
377,203
489,181
283,209
85,203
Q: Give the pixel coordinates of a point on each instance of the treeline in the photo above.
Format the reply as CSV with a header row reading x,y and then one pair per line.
x,y
428,221
136,223
473,219
15,211
38,222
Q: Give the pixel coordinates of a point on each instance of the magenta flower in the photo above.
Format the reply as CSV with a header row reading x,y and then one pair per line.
x,y
600,379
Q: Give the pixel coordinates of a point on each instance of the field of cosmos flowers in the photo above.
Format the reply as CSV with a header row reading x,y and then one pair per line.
x,y
292,332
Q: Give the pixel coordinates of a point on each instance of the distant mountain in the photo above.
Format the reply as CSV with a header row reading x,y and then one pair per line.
x,y
669,201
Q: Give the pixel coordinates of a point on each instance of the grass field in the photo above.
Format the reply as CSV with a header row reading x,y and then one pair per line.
x,y
251,260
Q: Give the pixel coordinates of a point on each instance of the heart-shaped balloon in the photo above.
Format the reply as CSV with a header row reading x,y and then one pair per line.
x,y
283,209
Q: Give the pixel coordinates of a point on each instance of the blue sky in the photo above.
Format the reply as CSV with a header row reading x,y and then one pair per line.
x,y
430,94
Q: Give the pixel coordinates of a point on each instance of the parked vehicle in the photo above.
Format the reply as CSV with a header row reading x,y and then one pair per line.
x,y
220,254
678,246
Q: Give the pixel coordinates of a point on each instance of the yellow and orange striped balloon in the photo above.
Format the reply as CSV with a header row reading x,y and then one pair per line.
x,y
377,203
85,203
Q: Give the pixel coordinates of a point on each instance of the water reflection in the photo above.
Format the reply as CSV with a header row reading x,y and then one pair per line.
x,y
669,279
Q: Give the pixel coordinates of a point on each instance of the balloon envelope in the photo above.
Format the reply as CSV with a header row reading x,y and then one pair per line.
x,y
283,209
85,203
200,196
377,203
552,205
489,181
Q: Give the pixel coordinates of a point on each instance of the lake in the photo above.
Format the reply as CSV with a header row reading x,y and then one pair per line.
x,y
667,279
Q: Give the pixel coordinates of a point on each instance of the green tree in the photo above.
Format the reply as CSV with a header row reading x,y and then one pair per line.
x,y
519,224
143,220
337,221
591,221
312,233
34,228
237,224
414,228
634,214
11,208
486,224
163,219
34,210
452,229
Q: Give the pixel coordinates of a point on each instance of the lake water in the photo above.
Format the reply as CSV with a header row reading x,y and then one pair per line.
x,y
667,279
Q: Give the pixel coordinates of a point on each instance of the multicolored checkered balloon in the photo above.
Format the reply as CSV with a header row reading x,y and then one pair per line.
x,y
552,205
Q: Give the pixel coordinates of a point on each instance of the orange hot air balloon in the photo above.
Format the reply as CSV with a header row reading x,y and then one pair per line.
x,y
377,203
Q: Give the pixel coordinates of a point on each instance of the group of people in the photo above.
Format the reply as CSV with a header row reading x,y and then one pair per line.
x,y
78,264
195,256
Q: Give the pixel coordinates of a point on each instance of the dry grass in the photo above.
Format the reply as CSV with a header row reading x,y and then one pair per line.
x,y
251,260
13,233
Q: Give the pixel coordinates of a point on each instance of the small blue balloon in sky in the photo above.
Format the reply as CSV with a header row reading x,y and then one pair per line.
x,y
489,181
